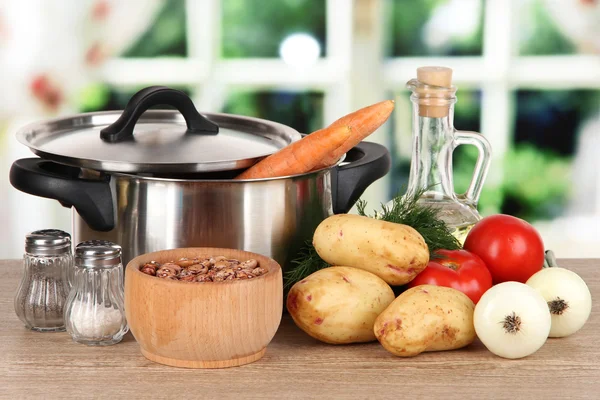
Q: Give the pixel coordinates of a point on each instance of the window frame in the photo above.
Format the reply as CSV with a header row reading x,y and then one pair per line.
x,y
355,73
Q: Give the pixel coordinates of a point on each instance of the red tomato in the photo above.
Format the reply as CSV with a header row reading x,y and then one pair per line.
x,y
457,269
511,248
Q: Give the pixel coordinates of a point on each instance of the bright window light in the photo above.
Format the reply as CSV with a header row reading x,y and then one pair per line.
x,y
299,50
454,19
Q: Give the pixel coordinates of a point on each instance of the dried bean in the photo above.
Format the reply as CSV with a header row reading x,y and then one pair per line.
x,y
187,272
221,264
198,268
171,266
163,273
241,275
205,269
213,260
149,269
224,273
203,278
250,264
186,262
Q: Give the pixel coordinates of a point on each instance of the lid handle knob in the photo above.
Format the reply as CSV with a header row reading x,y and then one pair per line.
x,y
122,128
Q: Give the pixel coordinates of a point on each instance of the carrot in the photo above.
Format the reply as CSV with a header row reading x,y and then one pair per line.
x,y
301,156
362,123
324,147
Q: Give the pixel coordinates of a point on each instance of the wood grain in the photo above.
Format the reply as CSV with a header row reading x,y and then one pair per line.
x,y
203,325
296,366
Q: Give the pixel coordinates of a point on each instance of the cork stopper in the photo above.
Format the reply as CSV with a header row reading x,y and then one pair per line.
x,y
435,76
434,88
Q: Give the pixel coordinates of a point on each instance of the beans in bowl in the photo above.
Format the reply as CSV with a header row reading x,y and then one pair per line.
x,y
204,269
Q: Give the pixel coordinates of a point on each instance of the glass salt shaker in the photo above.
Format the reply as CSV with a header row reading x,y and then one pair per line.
x,y
43,291
95,313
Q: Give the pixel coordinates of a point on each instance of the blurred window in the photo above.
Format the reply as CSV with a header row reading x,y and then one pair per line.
x,y
526,72
552,27
288,108
254,28
167,36
436,27
281,61
102,97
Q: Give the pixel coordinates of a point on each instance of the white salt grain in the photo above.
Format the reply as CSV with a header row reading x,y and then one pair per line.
x,y
96,321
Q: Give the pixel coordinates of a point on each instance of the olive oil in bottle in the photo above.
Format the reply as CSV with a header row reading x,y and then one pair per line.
x,y
461,232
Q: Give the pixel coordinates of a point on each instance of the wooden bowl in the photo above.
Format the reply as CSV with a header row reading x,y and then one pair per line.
x,y
203,324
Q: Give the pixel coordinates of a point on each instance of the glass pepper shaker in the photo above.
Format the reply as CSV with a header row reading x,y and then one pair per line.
x,y
43,291
95,313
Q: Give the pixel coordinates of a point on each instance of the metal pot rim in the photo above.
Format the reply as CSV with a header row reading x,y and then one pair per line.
x,y
229,181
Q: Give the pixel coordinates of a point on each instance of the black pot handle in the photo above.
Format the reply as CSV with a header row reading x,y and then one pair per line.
x,y
91,198
367,162
122,128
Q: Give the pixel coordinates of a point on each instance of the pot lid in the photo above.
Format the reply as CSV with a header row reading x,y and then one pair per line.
x,y
157,141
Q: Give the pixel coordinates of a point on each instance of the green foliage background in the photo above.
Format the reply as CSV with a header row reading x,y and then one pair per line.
x,y
255,28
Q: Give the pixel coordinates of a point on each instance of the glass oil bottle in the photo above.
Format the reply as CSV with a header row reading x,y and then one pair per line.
x,y
434,140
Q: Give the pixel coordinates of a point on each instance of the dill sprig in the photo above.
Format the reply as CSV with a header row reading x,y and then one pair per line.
x,y
403,210
424,219
308,261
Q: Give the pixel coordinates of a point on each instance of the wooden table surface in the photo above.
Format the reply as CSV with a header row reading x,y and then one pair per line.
x,y
50,365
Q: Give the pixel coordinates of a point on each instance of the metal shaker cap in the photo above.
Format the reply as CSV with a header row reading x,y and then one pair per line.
x,y
48,242
97,253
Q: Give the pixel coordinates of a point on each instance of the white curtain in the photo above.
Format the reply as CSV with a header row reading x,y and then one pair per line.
x,y
49,50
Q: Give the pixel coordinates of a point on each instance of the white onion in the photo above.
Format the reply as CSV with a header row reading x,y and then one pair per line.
x,y
568,298
512,320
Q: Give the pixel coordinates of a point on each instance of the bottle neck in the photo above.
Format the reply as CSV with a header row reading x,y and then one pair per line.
x,y
433,143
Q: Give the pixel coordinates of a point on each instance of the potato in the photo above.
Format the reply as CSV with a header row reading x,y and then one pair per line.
x,y
394,252
339,305
426,318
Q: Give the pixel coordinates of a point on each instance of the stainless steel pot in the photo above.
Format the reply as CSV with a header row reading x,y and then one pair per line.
x,y
273,217
145,211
